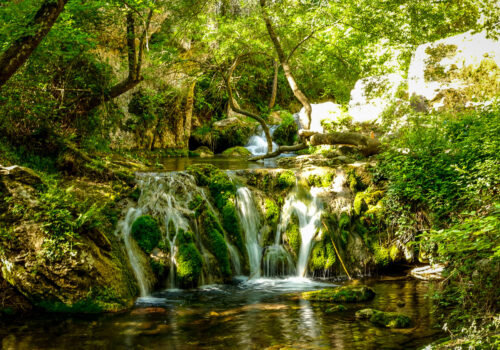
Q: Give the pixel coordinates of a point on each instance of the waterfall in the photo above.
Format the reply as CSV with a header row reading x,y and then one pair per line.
x,y
250,222
257,145
308,208
125,227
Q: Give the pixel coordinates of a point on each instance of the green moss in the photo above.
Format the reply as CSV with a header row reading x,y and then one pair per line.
x,y
238,151
322,256
324,180
384,319
336,308
231,224
216,243
202,173
346,294
98,300
381,255
189,261
293,236
286,179
272,213
221,188
146,232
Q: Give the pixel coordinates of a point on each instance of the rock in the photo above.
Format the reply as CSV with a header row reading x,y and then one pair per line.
x,y
428,273
274,118
20,174
384,319
321,113
204,152
336,308
237,151
455,71
346,294
371,96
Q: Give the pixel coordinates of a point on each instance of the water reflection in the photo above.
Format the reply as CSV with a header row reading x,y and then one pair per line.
x,y
255,314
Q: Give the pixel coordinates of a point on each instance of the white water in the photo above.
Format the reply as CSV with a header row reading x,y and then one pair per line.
x,y
250,223
308,208
257,145
125,227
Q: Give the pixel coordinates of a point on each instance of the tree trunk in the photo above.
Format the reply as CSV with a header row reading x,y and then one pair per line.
x,y
272,100
235,108
299,95
281,149
367,145
134,65
21,49
189,112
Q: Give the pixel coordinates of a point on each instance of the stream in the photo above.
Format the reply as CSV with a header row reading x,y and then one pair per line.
x,y
255,314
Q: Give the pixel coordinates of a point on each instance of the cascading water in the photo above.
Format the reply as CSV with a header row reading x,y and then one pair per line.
x,y
125,227
308,208
257,145
250,222
166,197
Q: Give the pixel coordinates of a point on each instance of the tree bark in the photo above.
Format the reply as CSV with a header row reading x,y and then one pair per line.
x,y
232,104
274,91
21,49
367,145
299,95
189,112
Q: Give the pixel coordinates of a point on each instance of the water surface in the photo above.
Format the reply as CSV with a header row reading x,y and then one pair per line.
x,y
259,314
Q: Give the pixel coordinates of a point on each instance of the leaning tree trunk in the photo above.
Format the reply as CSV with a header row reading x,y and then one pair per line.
x,y
299,95
274,91
234,107
21,49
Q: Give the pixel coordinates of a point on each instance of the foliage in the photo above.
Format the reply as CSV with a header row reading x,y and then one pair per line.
x,y
286,132
286,179
189,261
146,232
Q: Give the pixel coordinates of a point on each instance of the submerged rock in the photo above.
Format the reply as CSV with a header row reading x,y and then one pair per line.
x,y
346,294
336,308
384,319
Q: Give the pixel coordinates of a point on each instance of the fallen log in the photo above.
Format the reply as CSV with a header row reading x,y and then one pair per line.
x,y
367,145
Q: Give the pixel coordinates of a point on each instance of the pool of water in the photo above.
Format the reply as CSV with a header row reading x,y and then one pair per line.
x,y
221,162
261,314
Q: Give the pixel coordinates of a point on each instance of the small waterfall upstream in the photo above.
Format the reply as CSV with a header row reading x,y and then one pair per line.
x,y
250,222
257,145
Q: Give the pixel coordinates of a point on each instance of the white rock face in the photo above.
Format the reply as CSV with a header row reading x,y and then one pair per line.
x,y
371,96
327,111
463,50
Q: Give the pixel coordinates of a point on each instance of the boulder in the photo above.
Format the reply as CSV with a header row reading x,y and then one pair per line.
x,y
384,319
346,294
237,151
457,71
371,96
321,113
204,152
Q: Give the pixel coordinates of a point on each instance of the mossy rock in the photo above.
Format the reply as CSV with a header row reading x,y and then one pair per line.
x,y
335,308
346,294
146,232
189,261
286,179
203,152
292,235
231,224
384,319
272,213
322,256
215,242
237,151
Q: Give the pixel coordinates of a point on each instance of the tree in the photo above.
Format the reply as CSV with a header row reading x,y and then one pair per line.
x,y
21,48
